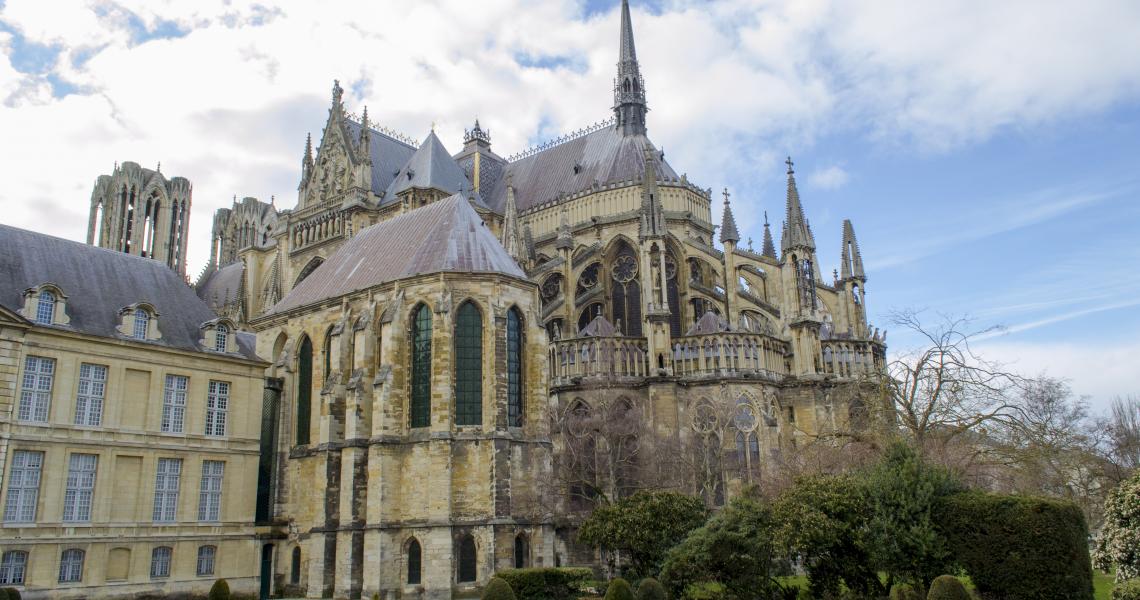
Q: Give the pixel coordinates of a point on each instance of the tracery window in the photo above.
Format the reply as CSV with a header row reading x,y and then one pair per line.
x,y
304,390
467,563
141,324
551,288
590,313
469,365
415,562
421,368
588,280
626,293
71,566
702,306
514,368
45,308
581,447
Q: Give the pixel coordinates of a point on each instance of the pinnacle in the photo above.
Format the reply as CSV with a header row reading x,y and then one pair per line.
x,y
728,231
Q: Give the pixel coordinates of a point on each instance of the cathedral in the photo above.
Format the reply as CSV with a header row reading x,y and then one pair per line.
x,y
466,353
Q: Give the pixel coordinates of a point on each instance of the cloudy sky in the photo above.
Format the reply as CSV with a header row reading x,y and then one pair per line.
x,y
987,152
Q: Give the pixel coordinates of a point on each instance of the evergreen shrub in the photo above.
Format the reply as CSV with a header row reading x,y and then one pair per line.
x,y
619,589
220,590
1017,547
1127,590
947,587
546,583
650,589
903,591
498,590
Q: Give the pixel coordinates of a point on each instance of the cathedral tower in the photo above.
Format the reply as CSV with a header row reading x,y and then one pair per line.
x,y
629,87
141,212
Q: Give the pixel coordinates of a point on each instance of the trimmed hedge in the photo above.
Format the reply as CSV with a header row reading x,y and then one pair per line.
x,y
619,590
903,591
1018,548
219,591
947,587
554,583
9,594
498,590
1127,590
650,589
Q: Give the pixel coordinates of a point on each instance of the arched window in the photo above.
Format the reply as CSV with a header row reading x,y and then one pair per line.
x,y
295,566
220,335
71,566
421,367
522,552
468,365
304,390
13,567
466,563
328,347
207,555
415,562
514,368
626,292
45,308
673,294
160,561
142,323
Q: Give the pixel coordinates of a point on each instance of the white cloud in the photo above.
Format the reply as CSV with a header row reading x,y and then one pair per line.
x,y
830,178
1100,371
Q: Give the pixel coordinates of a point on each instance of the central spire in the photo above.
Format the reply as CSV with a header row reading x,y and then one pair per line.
x,y
629,87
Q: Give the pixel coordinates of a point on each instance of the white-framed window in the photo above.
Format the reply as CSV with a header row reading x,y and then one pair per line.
x,y
89,399
174,403
166,480
206,556
23,486
13,567
35,396
45,307
71,565
80,488
160,561
141,324
217,402
210,492
221,332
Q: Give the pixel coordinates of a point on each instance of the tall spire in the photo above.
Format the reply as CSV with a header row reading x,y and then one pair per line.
x,y
728,232
364,145
797,231
307,160
629,87
851,260
769,249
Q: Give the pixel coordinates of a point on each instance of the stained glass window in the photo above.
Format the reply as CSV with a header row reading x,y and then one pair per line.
x,y
514,369
469,366
421,367
304,390
415,562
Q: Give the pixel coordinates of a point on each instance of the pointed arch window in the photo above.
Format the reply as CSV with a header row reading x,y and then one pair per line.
x,y
45,307
514,368
626,294
522,552
467,571
328,352
415,562
295,566
421,367
304,390
469,365
673,294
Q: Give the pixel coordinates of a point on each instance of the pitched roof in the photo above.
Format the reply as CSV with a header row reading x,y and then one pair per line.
x,y
603,156
709,322
388,154
430,167
99,283
220,285
444,236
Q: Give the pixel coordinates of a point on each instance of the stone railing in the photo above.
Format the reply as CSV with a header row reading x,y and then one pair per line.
x,y
317,229
729,353
574,359
848,358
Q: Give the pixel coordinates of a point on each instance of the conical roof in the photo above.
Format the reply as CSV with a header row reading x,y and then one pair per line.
x,y
851,260
728,230
430,167
797,231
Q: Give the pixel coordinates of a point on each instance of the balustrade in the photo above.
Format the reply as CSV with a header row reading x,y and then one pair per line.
x,y
597,357
848,358
729,353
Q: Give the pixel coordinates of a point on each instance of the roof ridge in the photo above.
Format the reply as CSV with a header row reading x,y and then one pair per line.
x,y
110,251
385,131
558,141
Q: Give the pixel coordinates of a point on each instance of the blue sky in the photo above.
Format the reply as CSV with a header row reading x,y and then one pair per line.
x,y
988,154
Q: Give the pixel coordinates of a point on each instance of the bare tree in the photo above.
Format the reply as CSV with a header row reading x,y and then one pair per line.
x,y
1121,443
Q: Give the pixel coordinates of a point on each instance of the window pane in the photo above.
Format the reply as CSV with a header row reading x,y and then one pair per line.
x,y
13,567
71,566
217,403
421,368
142,321
469,366
415,562
45,308
467,560
206,556
210,491
89,400
160,561
80,488
166,489
35,395
23,486
514,369
174,403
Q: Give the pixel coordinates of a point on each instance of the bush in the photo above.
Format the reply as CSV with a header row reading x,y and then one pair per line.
x,y
9,594
650,589
947,587
220,590
643,527
1019,548
707,590
554,583
1127,590
904,591
1120,536
498,590
619,590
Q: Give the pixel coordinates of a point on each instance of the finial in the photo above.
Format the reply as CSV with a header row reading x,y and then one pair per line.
x,y
765,218
272,200
750,243
337,92
789,163
726,195
433,126
159,168
364,117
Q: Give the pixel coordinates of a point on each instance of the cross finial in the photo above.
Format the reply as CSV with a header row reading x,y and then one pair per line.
x,y
159,168
433,126
789,163
726,195
749,243
765,218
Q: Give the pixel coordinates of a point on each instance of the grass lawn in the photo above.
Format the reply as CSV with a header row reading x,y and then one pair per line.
x,y
1102,584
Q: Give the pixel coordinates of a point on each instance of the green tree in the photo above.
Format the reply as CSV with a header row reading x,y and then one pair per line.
x,y
903,541
1120,535
220,590
823,519
734,549
643,527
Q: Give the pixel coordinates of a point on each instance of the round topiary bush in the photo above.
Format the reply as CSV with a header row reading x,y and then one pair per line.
x,y
1127,590
498,589
947,587
904,591
650,589
220,590
619,589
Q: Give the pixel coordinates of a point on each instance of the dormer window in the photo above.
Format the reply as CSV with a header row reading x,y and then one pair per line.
x,y
220,335
141,324
45,307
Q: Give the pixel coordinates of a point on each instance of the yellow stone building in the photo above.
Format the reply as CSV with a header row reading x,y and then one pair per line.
x,y
128,427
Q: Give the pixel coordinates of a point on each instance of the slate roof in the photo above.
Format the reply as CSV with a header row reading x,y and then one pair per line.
x,y
430,167
444,236
99,283
388,155
603,156
221,285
